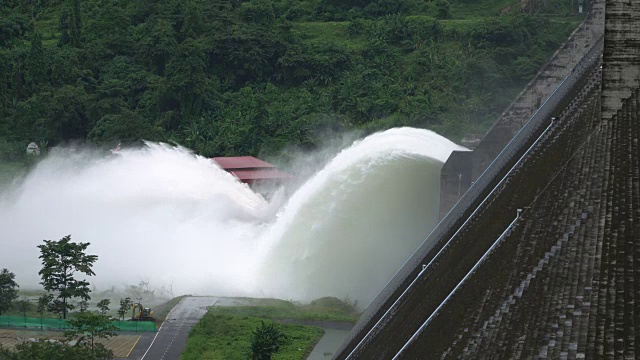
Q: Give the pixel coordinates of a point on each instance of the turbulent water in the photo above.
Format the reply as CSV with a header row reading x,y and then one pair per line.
x,y
163,215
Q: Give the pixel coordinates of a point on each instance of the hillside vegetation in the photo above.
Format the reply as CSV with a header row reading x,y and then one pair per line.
x,y
249,77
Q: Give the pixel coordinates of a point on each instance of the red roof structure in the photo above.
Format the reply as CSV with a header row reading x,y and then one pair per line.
x,y
249,169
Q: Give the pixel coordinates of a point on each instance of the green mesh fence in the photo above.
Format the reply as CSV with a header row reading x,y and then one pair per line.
x,y
57,324
135,325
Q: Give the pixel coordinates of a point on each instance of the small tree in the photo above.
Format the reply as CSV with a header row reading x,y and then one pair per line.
x,y
125,305
96,325
61,260
103,305
8,290
24,305
83,305
43,305
266,340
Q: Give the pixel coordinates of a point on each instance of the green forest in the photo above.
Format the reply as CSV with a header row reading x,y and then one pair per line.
x,y
254,77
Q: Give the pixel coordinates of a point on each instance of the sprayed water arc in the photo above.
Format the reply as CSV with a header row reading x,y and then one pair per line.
x,y
164,215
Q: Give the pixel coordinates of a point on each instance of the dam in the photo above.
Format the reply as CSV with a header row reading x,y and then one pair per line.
x,y
536,255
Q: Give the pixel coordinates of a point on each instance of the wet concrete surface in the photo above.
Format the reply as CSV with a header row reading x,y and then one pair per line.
x,y
328,344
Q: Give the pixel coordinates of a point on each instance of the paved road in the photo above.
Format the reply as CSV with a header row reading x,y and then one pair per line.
x,y
171,339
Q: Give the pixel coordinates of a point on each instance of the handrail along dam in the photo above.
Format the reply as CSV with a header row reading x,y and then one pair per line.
x,y
540,256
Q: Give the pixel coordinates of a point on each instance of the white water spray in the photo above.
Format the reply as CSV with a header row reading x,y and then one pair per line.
x,y
166,216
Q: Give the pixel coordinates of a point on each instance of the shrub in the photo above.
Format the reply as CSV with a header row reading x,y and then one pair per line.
x,y
266,340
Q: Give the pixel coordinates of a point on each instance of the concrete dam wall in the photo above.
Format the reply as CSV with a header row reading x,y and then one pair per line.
x,y
539,258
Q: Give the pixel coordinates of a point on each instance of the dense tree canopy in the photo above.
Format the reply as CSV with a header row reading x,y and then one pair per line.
x,y
247,76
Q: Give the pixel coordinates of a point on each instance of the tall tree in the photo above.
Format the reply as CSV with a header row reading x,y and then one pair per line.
x,y
8,290
70,24
36,62
61,260
76,29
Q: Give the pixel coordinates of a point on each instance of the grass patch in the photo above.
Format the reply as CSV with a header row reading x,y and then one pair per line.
x,y
225,332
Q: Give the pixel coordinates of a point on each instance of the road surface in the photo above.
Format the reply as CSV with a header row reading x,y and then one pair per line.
x,y
171,339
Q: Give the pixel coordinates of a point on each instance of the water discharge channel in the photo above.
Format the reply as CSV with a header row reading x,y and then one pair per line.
x,y
164,215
